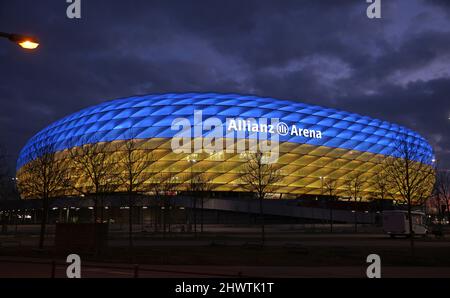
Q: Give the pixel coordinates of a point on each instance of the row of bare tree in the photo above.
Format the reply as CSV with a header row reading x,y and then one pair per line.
x,y
102,169
442,193
408,176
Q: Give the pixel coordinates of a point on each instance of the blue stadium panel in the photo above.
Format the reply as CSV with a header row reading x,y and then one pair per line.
x,y
150,116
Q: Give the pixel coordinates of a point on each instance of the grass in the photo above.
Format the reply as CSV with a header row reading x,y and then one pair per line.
x,y
265,256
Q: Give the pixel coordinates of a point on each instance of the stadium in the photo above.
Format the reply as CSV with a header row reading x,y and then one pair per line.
x,y
308,144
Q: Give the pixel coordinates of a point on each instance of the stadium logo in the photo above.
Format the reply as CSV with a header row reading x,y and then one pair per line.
x,y
237,135
280,128
212,136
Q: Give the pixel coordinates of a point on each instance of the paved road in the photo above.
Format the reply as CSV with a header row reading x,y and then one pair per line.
x,y
230,239
315,241
34,268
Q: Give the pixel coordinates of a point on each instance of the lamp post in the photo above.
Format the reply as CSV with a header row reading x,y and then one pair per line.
x,y
329,202
321,189
192,160
24,41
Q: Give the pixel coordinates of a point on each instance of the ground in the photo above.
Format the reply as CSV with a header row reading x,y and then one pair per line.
x,y
290,251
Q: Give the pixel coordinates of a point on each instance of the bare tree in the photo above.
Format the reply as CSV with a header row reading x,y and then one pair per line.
x,y
44,177
4,175
134,163
8,189
442,190
383,189
98,172
162,185
195,188
354,186
330,187
259,177
411,173
201,188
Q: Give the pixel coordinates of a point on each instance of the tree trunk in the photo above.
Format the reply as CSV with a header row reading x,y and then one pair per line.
x,y
448,209
45,204
356,215
331,219
249,214
102,210
201,215
261,214
154,211
169,215
130,220
411,230
195,216
163,214
95,208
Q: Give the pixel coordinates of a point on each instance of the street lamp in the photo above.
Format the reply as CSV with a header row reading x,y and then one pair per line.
x,y
321,187
24,41
192,160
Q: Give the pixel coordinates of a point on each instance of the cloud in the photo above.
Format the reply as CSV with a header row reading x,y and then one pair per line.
x,y
319,52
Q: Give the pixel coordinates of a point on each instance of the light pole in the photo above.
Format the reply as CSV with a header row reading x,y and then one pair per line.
x,y
192,160
24,41
321,190
329,202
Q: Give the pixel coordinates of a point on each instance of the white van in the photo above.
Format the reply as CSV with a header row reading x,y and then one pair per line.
x,y
396,223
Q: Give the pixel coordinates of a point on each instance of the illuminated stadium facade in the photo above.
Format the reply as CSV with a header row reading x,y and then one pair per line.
x,y
308,143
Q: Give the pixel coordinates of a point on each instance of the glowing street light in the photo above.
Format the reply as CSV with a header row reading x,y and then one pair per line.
x,y
28,44
24,41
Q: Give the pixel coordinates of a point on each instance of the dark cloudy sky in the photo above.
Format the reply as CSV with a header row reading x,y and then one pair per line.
x,y
321,52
